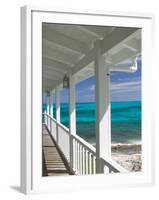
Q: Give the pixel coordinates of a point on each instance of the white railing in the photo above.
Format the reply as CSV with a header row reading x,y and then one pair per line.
x,y
63,140
60,134
83,154
111,166
53,130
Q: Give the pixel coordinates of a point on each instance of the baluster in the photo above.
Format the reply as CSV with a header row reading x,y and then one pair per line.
x,y
45,120
74,149
75,158
89,161
78,158
110,171
48,122
50,125
92,164
82,159
86,162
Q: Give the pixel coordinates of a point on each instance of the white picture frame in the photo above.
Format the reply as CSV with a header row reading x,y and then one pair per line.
x,y
31,179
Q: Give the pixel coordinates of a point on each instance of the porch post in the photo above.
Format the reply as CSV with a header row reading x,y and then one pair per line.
x,y
51,109
57,111
103,135
72,116
48,107
51,103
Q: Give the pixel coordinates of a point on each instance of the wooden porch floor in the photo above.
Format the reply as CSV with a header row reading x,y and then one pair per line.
x,y
54,163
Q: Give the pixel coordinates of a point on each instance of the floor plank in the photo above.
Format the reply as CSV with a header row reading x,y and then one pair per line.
x,y
53,163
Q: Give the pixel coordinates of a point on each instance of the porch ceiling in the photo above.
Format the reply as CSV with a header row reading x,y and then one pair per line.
x,y
70,48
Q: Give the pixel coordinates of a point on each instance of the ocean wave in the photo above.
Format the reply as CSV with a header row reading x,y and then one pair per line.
x,y
125,121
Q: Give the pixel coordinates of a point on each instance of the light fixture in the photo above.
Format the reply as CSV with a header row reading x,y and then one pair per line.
x,y
47,93
65,82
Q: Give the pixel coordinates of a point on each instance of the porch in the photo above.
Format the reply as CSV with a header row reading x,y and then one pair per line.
x,y
75,53
65,154
54,162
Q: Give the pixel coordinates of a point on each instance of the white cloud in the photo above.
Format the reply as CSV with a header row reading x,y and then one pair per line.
x,y
133,86
122,87
115,86
129,79
92,88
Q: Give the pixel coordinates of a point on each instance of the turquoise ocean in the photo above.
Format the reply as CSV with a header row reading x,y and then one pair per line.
x,y
125,121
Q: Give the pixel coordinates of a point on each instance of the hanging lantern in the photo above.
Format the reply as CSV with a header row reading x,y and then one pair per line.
x,y
47,93
65,82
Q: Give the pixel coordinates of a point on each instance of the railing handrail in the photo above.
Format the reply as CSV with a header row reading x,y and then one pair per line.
x,y
49,116
113,165
63,127
88,146
58,123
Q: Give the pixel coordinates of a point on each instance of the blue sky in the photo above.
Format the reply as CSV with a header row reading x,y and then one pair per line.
x,y
123,87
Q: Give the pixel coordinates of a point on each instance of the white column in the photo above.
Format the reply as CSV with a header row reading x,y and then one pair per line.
x,y
51,103
45,117
72,116
51,109
57,110
103,139
48,108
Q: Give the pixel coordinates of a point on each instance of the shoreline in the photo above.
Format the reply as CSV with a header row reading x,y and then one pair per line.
x,y
126,148
128,156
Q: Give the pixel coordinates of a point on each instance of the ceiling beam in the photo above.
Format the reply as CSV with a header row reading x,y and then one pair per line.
x,y
53,70
97,31
60,56
52,76
89,31
48,77
56,64
116,37
63,40
88,58
133,45
123,55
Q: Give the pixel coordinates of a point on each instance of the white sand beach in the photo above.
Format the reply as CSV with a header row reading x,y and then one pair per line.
x,y
128,156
